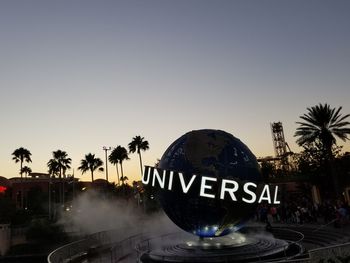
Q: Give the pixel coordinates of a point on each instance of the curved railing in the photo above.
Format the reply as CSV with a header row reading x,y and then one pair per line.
x,y
105,240
151,243
120,244
80,247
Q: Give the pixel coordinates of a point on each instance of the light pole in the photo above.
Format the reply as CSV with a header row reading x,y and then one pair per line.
x,y
106,149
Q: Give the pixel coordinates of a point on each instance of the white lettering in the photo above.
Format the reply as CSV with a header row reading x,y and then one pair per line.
x,y
204,186
185,187
266,191
249,192
165,179
170,184
148,171
275,201
231,191
161,181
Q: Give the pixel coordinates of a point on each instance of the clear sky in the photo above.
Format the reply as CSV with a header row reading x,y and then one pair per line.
x,y
77,75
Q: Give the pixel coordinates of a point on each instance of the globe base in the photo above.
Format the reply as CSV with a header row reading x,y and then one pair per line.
x,y
236,247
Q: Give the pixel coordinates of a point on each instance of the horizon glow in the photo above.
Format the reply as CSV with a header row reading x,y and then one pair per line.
x,y
81,75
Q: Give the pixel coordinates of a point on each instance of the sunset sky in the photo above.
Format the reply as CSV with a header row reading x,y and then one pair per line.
x,y
78,75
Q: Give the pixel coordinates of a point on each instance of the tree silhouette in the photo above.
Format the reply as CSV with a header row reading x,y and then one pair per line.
x,y
90,163
60,162
114,159
54,169
138,144
26,170
322,123
21,155
123,179
118,155
321,126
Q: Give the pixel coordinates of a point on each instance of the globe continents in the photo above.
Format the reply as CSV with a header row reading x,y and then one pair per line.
x,y
211,153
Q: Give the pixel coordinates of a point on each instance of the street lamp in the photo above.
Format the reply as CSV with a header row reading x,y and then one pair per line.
x,y
106,149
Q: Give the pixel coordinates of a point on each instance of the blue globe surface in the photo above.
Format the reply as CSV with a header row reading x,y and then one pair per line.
x,y
213,153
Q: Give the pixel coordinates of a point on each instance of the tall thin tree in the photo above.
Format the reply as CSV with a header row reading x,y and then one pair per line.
x,y
62,161
120,154
138,144
114,159
26,171
54,171
21,155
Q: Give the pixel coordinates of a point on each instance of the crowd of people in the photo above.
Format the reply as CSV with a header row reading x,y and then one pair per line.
x,y
304,211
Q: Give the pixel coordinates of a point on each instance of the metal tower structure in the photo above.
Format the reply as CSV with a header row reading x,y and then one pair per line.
x,y
279,142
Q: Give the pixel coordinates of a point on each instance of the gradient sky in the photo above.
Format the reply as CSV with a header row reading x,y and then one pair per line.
x,y
77,75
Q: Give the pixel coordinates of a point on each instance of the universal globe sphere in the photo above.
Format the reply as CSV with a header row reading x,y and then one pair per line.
x,y
213,153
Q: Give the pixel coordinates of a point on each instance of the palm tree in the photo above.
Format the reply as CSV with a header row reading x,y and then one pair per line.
x,y
21,155
90,163
120,154
123,155
123,179
138,144
114,159
54,169
322,125
60,162
26,170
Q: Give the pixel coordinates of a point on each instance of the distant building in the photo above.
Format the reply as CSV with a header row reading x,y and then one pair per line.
x,y
4,184
39,181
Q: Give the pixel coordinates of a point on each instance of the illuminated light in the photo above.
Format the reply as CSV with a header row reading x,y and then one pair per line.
x,y
2,189
210,238
189,244
233,228
174,179
83,189
249,188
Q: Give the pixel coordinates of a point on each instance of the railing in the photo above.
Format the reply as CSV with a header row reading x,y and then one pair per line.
x,y
151,243
337,253
101,240
126,249
118,245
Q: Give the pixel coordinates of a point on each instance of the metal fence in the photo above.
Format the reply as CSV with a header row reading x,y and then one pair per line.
x,y
80,248
161,242
337,253
117,245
